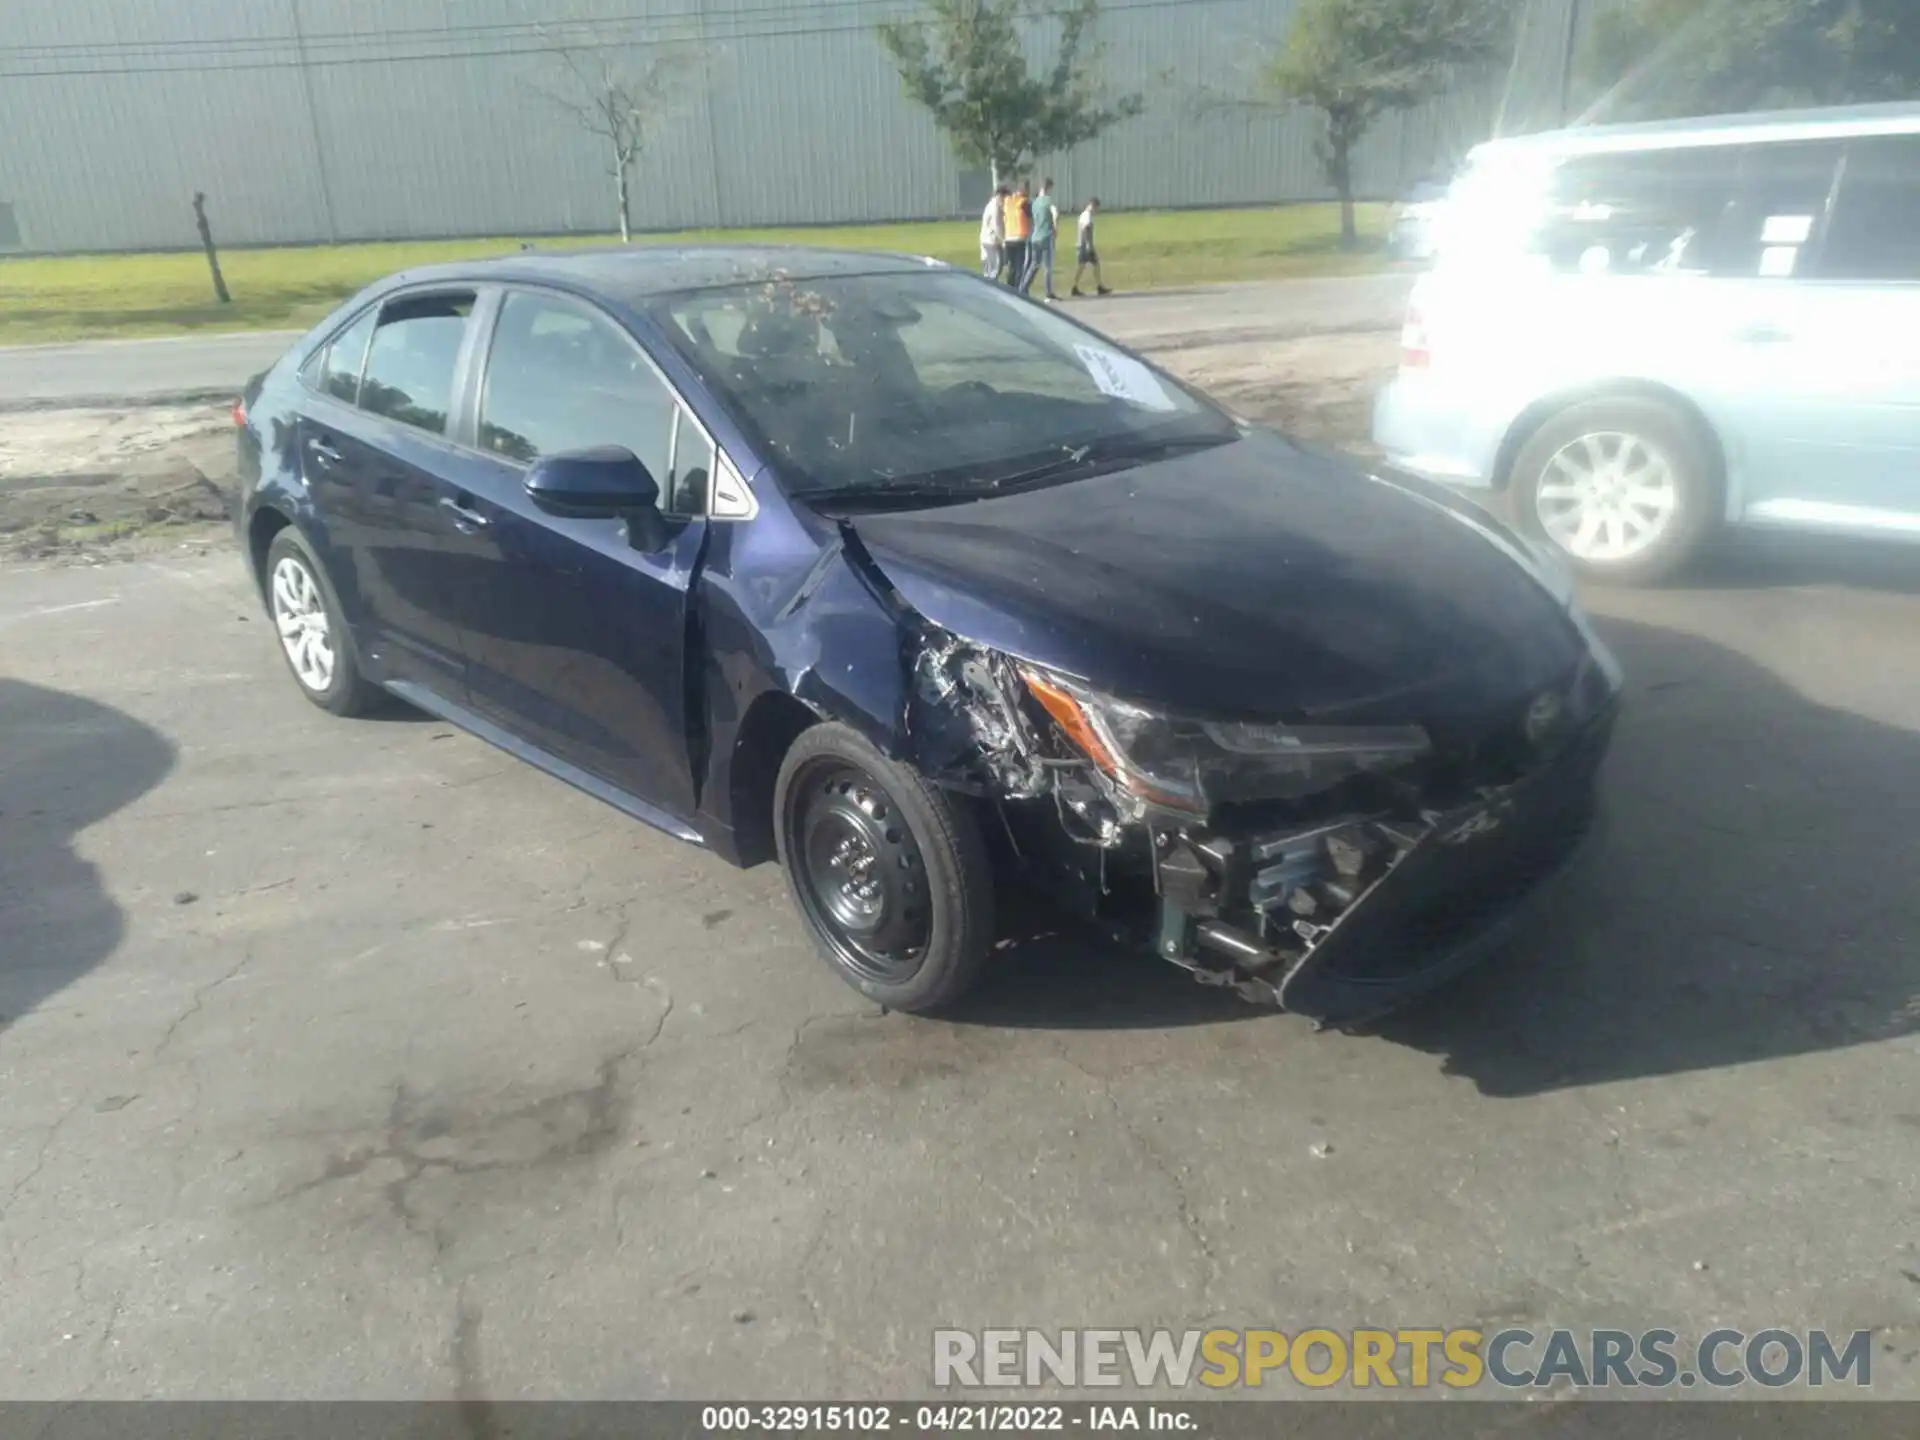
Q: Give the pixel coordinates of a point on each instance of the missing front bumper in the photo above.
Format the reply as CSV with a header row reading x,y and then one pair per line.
x,y
1344,920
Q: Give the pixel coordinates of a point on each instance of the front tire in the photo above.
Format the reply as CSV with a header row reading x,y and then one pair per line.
x,y
888,872
1627,489
313,634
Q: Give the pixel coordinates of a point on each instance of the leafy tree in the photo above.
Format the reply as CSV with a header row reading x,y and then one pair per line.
x,y
1679,57
963,60
1356,60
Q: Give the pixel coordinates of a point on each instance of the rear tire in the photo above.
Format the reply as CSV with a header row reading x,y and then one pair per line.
x,y
312,631
888,872
1627,489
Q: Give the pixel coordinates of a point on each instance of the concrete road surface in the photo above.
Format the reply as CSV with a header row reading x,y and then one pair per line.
x,y
192,367
117,372
356,1059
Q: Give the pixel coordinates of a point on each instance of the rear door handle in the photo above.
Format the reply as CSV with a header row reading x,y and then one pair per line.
x,y
1763,335
465,519
323,452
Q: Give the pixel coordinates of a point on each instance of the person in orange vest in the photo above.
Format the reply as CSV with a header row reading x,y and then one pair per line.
x,y
1019,226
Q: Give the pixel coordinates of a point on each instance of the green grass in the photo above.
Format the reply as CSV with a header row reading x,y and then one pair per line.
x,y
87,297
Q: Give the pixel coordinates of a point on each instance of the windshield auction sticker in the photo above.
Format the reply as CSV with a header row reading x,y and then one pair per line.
x,y
1124,378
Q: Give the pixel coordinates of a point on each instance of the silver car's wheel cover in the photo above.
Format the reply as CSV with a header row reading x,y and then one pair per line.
x,y
1608,497
301,616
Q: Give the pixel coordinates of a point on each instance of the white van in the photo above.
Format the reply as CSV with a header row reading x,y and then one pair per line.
x,y
1637,334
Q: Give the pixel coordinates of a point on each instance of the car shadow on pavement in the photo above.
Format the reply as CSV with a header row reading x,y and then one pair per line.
x,y
67,763
1764,560
1752,896
1747,900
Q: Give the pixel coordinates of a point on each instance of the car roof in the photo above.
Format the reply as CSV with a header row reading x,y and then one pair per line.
x,y
636,273
1833,122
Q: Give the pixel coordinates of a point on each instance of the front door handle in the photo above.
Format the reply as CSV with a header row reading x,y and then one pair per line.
x,y
1763,335
465,520
323,452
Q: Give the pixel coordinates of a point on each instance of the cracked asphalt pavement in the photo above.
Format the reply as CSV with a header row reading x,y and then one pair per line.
x,y
351,1059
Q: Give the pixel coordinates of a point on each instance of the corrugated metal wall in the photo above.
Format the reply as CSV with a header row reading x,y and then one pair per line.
x,y
374,119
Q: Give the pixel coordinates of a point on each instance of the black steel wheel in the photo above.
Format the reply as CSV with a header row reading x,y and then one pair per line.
x,y
888,872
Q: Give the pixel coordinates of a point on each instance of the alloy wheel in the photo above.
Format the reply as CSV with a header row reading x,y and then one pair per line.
x,y
861,879
300,614
1607,497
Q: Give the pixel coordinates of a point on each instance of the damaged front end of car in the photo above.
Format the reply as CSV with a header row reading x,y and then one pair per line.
x,y
1332,870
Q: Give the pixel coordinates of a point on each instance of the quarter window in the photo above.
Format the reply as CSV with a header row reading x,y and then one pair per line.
x,y
1875,233
560,378
340,363
692,469
409,372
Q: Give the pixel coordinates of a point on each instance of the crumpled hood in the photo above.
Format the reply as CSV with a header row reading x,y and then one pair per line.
x,y
1257,579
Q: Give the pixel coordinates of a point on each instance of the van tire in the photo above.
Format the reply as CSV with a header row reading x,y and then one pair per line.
x,y
1660,431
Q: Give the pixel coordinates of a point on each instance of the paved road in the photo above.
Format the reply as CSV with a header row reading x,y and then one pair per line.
x,y
353,1059
114,372
195,366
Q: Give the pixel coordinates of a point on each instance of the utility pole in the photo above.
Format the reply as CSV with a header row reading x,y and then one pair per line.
x,y
1567,59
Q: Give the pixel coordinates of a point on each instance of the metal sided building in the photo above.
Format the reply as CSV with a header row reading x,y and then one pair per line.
x,y
318,120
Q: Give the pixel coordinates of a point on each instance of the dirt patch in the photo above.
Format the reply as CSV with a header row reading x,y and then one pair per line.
x,y
82,484
1321,388
91,485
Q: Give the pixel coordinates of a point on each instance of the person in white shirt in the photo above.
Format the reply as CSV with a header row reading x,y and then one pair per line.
x,y
1088,256
993,234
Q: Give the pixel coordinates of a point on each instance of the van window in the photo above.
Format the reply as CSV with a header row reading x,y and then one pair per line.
x,y
1721,210
1875,232
1640,212
1777,210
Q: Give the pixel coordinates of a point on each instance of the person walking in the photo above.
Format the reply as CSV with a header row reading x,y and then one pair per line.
x,y
1040,248
993,233
1088,255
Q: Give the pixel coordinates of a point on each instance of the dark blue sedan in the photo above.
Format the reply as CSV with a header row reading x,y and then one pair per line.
x,y
866,564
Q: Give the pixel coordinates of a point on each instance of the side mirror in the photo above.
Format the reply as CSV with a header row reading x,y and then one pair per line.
x,y
605,483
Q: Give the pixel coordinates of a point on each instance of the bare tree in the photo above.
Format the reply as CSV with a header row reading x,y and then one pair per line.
x,y
625,95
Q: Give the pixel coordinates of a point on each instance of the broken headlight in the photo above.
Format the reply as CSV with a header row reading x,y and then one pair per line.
x,y
1193,765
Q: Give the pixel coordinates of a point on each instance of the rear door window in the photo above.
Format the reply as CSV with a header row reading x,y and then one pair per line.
x,y
1875,231
410,364
562,377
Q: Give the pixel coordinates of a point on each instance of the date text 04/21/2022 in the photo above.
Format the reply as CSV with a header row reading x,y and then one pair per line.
x,y
985,1418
